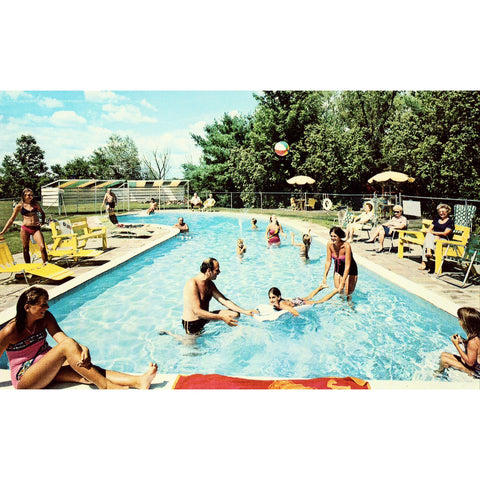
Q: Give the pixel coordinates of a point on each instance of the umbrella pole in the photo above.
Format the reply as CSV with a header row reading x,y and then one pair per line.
x,y
305,201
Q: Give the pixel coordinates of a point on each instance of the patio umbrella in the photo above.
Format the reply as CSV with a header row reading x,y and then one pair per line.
x,y
388,177
394,176
301,180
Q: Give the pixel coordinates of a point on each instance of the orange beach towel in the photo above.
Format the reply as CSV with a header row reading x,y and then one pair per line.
x,y
222,382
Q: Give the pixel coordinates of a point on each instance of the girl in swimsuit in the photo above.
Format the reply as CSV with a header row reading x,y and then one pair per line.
x,y
279,303
30,209
346,271
468,358
304,246
274,229
34,364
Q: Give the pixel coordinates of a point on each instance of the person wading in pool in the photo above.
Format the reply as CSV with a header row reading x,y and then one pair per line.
x,y
197,294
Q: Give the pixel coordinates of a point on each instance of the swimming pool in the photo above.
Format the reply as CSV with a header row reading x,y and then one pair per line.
x,y
388,335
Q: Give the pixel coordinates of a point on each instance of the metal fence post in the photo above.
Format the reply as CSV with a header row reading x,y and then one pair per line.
x,y
261,201
231,200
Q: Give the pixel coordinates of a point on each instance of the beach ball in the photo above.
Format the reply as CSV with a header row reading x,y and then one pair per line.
x,y
281,148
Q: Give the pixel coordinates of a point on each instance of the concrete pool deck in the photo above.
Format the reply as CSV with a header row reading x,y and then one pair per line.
x,y
403,272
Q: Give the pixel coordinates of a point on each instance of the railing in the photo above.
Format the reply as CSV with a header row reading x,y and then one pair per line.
x,y
318,204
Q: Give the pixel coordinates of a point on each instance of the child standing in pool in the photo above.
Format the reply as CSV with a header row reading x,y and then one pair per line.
x,y
254,224
468,358
305,245
241,247
279,303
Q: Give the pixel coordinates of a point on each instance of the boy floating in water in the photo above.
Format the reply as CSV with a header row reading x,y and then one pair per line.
x,y
279,303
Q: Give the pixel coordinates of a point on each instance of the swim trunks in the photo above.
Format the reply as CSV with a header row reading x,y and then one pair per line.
x,y
196,326
111,204
475,369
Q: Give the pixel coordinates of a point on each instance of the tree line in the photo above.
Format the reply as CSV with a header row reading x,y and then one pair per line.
x,y
341,139
118,159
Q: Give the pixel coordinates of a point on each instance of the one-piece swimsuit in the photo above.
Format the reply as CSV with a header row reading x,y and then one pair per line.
x,y
22,355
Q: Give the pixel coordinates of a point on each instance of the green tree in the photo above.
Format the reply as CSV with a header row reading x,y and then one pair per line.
x,y
25,169
79,167
118,159
219,144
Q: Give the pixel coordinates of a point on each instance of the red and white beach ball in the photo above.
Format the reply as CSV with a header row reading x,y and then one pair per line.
x,y
281,148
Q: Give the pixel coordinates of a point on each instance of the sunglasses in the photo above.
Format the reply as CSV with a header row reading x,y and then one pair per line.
x,y
397,211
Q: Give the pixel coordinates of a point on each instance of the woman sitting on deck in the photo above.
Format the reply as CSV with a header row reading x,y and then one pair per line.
x,y
34,364
360,220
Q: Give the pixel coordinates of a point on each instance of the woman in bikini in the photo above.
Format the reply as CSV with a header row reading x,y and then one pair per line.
x,y
31,226
346,272
34,364
274,229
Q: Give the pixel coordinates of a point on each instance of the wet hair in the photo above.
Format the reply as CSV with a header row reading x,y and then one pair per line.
x,y
445,206
338,232
470,320
307,239
28,297
254,221
275,291
240,241
208,263
276,220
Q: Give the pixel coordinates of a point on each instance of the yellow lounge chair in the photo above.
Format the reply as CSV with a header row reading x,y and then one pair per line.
x,y
64,252
65,236
50,271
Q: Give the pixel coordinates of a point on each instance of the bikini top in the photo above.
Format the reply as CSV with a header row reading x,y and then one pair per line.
x,y
29,213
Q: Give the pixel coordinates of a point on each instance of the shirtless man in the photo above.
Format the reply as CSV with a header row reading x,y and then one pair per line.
x,y
181,225
197,294
109,201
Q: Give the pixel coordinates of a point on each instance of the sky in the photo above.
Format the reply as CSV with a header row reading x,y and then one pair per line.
x,y
67,123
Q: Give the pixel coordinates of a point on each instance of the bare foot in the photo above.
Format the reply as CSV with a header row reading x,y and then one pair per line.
x,y
422,266
147,378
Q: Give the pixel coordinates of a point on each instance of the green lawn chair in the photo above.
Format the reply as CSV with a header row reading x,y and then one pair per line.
x,y
467,257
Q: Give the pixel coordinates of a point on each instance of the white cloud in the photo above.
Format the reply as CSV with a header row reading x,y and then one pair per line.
x,y
15,95
125,113
144,103
100,96
234,113
198,128
50,102
66,118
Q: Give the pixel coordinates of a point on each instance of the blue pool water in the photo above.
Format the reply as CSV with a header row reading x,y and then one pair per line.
x,y
388,335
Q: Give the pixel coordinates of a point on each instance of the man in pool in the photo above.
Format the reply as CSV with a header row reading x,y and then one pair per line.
x,y
197,294
181,225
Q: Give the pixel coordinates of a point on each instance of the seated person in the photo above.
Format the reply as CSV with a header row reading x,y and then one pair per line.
x,y
359,221
441,228
209,202
398,222
153,206
195,201
293,203
181,225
